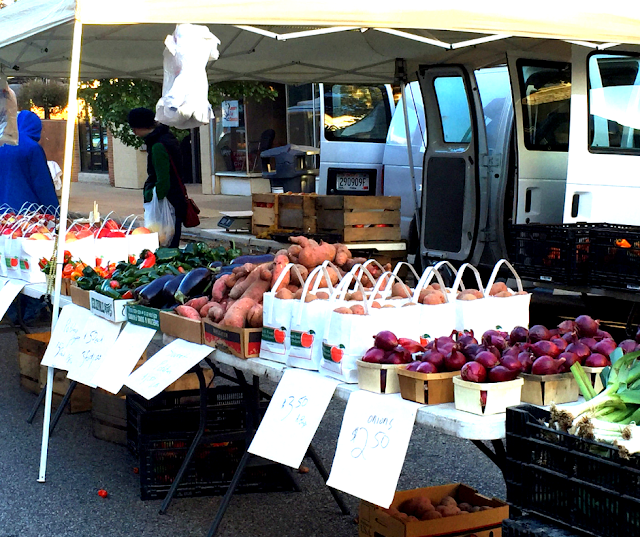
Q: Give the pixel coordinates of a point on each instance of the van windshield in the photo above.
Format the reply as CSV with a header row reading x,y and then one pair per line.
x,y
356,113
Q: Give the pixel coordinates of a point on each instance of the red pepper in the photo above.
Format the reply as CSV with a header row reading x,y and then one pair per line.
x,y
132,259
103,493
114,284
98,261
181,270
127,295
43,263
149,261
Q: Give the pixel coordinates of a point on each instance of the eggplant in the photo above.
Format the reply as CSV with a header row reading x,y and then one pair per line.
x,y
171,287
151,294
255,259
193,284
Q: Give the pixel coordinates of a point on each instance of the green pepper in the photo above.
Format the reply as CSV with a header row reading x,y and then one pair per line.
x,y
106,290
164,255
85,283
89,272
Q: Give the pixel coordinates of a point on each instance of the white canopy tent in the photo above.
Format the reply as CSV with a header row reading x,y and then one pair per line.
x,y
290,42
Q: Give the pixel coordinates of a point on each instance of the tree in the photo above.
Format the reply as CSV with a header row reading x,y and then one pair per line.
x,y
111,100
47,94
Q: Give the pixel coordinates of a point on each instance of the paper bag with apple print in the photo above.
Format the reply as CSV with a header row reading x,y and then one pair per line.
x,y
35,246
276,318
13,245
507,308
309,316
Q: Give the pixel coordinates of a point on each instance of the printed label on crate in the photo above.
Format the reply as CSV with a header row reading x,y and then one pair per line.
x,y
293,416
143,316
108,308
232,340
372,445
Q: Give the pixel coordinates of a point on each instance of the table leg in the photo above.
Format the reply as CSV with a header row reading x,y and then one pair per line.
x,y
325,475
37,404
63,404
498,456
194,443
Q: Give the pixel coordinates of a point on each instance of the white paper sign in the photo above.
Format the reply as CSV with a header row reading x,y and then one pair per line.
x,y
166,366
293,416
372,445
8,293
122,357
88,353
66,334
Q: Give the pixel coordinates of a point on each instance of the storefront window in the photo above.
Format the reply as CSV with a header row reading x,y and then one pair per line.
x,y
231,139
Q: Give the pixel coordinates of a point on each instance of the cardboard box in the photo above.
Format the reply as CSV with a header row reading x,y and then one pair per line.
x,y
378,378
108,308
427,388
80,297
499,395
594,374
542,390
377,522
174,325
241,342
143,316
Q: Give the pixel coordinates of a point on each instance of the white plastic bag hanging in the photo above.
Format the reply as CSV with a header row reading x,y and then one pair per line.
x,y
184,103
160,218
8,114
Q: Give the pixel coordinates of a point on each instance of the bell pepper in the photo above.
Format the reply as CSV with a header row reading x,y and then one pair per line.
x,y
149,260
127,294
114,284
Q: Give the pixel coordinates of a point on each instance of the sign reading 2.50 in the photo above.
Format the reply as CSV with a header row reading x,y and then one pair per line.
x,y
372,436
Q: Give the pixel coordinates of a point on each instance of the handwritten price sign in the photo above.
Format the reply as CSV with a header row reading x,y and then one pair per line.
x,y
67,333
293,416
372,445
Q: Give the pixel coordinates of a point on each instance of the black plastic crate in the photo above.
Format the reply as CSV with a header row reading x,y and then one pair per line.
x,y
580,483
532,526
179,412
557,253
615,257
210,470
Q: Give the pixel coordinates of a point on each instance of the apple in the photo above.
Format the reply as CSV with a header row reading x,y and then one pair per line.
x,y
279,335
337,353
140,231
306,339
83,233
38,237
115,233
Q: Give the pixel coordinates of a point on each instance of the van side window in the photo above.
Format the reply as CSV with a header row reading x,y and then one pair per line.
x,y
614,103
546,101
356,113
454,109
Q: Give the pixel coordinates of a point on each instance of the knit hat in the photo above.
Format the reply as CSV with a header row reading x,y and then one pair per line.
x,y
141,118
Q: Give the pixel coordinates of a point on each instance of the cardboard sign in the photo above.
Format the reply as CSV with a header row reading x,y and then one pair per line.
x,y
87,355
122,357
143,316
108,308
8,293
66,334
293,416
166,366
372,445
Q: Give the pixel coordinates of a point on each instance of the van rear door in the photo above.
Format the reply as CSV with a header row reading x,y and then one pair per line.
x,y
453,181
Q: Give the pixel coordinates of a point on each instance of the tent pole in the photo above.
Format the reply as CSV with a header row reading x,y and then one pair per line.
x,y
72,114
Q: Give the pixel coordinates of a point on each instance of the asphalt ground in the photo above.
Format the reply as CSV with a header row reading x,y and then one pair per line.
x,y
67,504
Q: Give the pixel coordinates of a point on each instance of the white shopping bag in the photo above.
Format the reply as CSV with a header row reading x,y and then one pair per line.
x,y
32,252
13,251
509,311
477,314
160,218
276,320
436,320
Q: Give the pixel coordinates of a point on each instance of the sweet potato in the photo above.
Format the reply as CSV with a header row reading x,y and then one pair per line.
x,y
220,289
283,251
267,272
231,280
197,303
356,295
342,255
333,276
293,252
350,263
293,288
312,256
322,295
284,294
216,312
236,315
243,270
205,309
498,287
240,287
301,241
256,290
346,311
310,297
254,317
188,312
357,309
298,294
281,262
304,273
401,290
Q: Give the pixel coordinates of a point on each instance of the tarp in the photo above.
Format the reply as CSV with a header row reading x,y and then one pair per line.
x,y
258,39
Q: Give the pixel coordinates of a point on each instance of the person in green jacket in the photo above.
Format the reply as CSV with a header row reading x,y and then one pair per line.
x,y
164,164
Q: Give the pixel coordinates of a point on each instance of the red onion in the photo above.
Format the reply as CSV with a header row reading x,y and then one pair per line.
x,y
467,338
434,357
426,367
470,351
487,359
444,344
597,360
587,327
374,355
486,344
501,373
567,327
518,335
538,333
411,345
513,351
399,355
605,346
511,362
579,349
589,342
554,332
413,366
526,359
569,337
627,346
454,360
569,360
473,372
546,365
542,348
385,340
560,343
602,334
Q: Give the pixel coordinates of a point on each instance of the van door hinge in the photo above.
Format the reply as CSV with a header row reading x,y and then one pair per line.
x,y
491,161
486,235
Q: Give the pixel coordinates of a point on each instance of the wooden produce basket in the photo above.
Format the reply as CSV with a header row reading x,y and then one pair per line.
x,y
594,374
378,378
427,388
542,390
359,218
468,396
265,212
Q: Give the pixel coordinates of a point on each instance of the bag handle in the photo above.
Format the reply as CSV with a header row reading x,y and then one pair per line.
x,y
348,277
458,281
383,279
359,270
104,221
426,278
397,268
305,289
327,277
287,268
495,271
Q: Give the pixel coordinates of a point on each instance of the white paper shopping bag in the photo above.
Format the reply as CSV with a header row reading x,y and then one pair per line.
x,y
509,309
32,252
473,313
436,320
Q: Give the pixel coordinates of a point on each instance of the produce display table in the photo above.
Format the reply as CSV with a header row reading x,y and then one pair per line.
x,y
36,290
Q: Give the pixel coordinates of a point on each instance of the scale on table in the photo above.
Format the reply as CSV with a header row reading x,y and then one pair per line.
x,y
236,220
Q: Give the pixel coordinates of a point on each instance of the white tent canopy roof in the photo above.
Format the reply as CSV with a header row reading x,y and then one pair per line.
x,y
261,40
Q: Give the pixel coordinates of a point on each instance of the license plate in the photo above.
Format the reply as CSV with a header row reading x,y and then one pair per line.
x,y
352,181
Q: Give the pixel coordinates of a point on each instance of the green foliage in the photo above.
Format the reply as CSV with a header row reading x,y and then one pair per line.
x,y
112,99
50,95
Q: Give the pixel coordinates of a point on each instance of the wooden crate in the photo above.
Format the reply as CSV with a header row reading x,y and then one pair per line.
x,y
109,416
359,218
31,349
265,212
80,400
297,212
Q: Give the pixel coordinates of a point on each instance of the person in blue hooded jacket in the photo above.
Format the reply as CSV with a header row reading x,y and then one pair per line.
x,y
24,174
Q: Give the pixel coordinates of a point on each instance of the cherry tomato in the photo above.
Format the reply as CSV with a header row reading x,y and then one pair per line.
x,y
103,493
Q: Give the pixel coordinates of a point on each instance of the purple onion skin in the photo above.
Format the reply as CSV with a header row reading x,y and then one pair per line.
x,y
512,362
498,342
413,366
434,357
605,346
587,327
569,360
560,343
627,346
473,372
426,367
513,351
487,359
399,355
589,342
526,359
567,327
554,332
597,360
579,349
602,334
569,337
466,338
386,340
501,373
454,360
470,351
374,355
546,365
444,345
538,333
518,335
545,348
